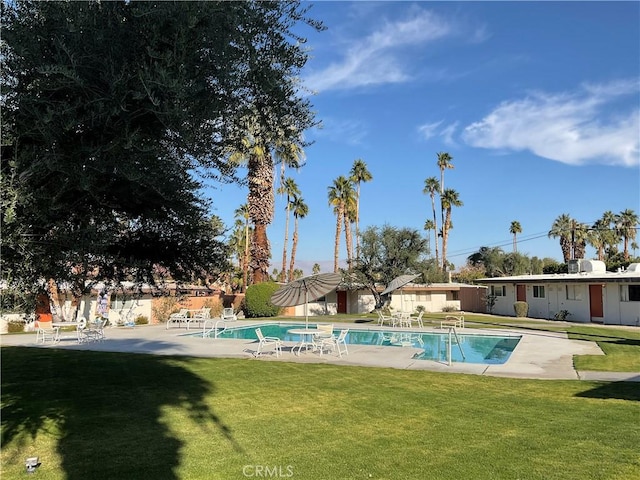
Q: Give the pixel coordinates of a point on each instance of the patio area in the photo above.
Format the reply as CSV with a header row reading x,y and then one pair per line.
x,y
541,355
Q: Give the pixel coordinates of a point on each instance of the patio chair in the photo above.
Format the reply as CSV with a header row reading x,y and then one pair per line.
x,y
95,330
46,331
81,331
334,342
180,317
326,332
228,315
417,319
383,318
267,341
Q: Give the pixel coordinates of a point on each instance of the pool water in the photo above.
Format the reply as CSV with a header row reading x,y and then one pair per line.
x,y
486,349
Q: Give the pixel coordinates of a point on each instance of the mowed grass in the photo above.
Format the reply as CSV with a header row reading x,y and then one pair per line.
x,y
110,415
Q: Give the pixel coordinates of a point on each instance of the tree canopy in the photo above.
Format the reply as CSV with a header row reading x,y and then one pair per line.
x,y
114,113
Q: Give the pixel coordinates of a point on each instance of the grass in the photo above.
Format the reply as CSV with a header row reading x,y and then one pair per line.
x,y
110,415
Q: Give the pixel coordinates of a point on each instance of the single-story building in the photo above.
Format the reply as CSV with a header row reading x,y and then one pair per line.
x,y
433,297
588,294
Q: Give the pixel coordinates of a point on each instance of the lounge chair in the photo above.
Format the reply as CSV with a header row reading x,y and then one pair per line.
x,y
334,342
417,319
199,316
180,317
95,330
46,331
267,341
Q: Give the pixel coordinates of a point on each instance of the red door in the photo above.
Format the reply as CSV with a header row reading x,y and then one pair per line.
x,y
521,293
595,301
342,301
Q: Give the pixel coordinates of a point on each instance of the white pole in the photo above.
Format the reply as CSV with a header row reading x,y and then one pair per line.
x,y
449,348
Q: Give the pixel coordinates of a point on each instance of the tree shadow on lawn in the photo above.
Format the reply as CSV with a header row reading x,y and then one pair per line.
x,y
619,390
108,409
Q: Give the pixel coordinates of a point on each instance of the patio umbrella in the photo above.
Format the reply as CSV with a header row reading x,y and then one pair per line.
x,y
398,283
304,289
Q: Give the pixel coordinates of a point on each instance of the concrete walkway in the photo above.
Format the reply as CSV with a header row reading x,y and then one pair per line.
x,y
539,355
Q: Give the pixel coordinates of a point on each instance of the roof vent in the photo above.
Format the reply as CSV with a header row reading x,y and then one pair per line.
x,y
573,266
593,266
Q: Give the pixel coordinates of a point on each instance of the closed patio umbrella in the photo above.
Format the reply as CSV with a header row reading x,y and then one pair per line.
x,y
398,283
303,290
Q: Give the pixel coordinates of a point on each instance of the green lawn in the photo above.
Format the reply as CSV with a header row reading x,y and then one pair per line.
x,y
100,415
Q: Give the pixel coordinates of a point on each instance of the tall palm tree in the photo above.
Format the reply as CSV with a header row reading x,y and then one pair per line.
x,y
300,210
579,237
291,191
449,200
562,228
444,162
628,222
255,150
514,230
599,237
349,215
431,187
338,192
428,226
359,174
242,214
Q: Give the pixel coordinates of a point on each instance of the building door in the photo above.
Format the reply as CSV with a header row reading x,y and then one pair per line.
x,y
596,309
342,301
521,293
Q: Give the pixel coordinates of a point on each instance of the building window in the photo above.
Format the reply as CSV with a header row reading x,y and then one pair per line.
x,y
630,293
574,292
538,291
455,295
423,297
499,290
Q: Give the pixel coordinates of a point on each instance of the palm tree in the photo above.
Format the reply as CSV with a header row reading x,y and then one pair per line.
x,y
444,162
449,200
300,210
359,174
514,230
628,222
255,150
580,236
315,269
599,236
242,214
349,214
431,187
338,192
291,190
428,226
562,228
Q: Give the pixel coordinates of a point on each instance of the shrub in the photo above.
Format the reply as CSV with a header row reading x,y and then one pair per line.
x,y
420,308
141,320
163,307
449,308
257,300
521,309
15,326
562,315
215,306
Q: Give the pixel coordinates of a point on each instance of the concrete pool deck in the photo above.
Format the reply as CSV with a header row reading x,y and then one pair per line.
x,y
539,355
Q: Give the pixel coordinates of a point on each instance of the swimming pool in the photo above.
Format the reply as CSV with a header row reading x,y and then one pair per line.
x,y
487,349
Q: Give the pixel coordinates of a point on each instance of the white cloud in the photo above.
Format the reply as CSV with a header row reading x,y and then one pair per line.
x,y
591,125
429,130
350,132
378,58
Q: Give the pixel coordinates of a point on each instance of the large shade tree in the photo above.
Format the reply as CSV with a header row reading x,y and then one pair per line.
x,y
112,111
386,253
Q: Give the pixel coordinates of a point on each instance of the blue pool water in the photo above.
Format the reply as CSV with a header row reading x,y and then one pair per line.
x,y
487,349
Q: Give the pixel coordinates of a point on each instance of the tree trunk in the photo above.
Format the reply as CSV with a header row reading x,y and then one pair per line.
x,y
336,250
445,238
435,229
348,240
294,247
260,201
283,273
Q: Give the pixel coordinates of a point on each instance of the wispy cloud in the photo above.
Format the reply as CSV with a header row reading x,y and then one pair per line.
x,y
379,58
429,130
595,124
347,131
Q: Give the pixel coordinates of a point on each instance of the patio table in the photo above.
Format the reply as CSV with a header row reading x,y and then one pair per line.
x,y
306,338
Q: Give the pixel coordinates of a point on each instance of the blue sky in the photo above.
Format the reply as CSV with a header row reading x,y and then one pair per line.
x,y
538,104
